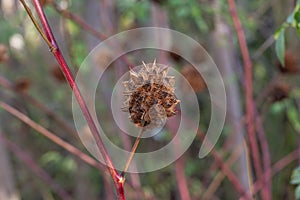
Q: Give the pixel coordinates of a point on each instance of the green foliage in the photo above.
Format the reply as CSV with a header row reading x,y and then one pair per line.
x,y
280,44
55,161
295,180
293,20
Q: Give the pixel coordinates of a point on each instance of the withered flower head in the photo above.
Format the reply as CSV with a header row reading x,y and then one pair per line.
x,y
150,95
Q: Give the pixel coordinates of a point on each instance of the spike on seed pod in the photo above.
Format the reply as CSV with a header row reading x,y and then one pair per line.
x,y
151,96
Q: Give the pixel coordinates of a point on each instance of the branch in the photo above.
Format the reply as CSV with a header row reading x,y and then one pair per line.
x,y
33,166
249,92
118,183
73,150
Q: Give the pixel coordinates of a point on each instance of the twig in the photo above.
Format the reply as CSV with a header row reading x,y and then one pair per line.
x,y
134,147
277,167
220,176
80,22
33,166
73,150
66,71
9,85
179,164
266,156
249,92
227,171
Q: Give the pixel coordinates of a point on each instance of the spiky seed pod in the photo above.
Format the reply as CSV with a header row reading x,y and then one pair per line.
x,y
150,90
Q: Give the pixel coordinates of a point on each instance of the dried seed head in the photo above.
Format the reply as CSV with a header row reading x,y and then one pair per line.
x,y
150,95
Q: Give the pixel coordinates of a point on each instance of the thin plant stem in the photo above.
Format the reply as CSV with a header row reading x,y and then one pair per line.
x,y
51,136
37,26
221,176
135,145
179,164
85,26
266,156
249,93
119,185
227,171
277,167
25,158
61,122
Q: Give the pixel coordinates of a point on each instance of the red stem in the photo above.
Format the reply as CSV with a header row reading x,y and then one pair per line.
x,y
179,164
266,158
249,95
9,85
227,171
85,26
73,150
66,71
33,166
279,165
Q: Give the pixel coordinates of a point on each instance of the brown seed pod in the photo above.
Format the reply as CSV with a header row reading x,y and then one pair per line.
x,y
291,63
150,88
194,78
279,92
22,85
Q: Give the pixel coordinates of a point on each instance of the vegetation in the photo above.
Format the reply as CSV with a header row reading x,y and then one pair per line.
x,y
255,45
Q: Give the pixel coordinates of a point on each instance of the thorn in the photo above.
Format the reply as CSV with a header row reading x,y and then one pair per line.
x,y
154,62
165,71
133,73
146,67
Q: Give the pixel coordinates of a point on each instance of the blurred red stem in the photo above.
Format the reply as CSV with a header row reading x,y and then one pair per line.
x,y
227,171
87,27
33,166
9,85
179,164
266,158
279,165
249,95
66,71
73,150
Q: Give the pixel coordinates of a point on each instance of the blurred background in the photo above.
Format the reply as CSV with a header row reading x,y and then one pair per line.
x,y
32,87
